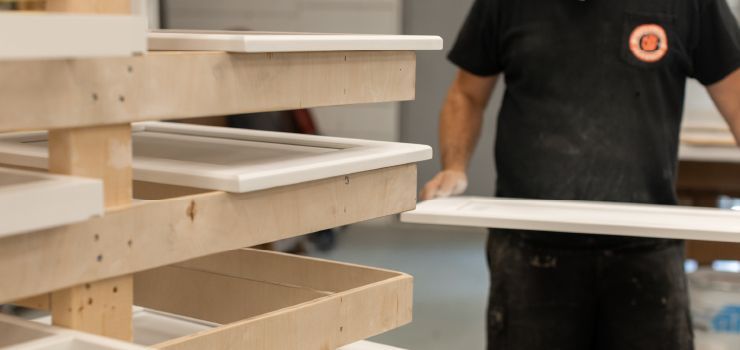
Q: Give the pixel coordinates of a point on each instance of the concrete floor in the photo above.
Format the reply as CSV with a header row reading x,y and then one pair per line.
x,y
451,279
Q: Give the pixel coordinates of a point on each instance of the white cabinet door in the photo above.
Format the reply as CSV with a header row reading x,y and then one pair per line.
x,y
233,160
639,220
31,201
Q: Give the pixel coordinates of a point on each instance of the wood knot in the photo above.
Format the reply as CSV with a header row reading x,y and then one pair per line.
x,y
191,211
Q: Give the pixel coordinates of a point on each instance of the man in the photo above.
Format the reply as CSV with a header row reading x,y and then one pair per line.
x,y
592,111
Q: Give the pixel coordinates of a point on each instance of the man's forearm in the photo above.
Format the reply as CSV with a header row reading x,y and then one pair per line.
x,y
459,130
462,117
726,96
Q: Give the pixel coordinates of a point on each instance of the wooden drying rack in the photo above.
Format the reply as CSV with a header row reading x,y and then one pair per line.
x,y
88,105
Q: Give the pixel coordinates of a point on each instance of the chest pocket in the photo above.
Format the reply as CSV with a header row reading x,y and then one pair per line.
x,y
650,41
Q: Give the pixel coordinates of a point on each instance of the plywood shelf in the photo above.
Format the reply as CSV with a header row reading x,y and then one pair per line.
x,y
621,219
253,299
232,160
30,201
268,300
150,234
51,94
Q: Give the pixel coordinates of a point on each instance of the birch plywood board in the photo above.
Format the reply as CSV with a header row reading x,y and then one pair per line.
x,y
32,201
639,220
232,160
19,334
52,36
93,92
260,42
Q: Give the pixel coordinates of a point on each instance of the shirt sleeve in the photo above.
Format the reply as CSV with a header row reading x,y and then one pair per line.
x,y
717,53
475,47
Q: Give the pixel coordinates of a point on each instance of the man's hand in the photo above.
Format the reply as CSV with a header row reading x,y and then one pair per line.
x,y
446,183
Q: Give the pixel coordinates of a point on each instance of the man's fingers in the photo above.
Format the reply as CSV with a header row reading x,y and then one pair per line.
x,y
430,189
451,185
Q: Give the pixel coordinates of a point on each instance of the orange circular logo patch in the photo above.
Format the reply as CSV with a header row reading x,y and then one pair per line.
x,y
649,43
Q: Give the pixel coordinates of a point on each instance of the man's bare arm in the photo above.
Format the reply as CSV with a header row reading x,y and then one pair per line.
x,y
459,130
726,96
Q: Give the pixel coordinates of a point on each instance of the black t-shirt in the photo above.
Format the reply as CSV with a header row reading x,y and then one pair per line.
x,y
594,90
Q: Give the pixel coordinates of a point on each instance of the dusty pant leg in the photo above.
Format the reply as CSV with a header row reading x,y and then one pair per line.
x,y
540,298
644,299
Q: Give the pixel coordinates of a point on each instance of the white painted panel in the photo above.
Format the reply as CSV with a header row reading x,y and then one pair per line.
x,y
17,334
46,36
639,220
257,42
31,201
233,160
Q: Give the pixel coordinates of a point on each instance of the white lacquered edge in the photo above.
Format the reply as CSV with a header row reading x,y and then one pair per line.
x,y
54,36
48,202
366,345
446,212
59,336
714,154
262,43
354,156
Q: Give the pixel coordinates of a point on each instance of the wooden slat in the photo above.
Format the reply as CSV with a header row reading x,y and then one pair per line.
x,y
100,307
104,152
172,85
96,152
158,233
89,6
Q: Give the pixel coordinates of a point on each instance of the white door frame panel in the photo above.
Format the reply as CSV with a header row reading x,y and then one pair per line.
x,y
31,201
620,219
313,157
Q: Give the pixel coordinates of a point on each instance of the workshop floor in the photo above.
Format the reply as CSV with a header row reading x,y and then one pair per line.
x,y
451,279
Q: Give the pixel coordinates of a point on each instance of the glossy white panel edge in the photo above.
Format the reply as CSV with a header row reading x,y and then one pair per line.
x,y
354,156
711,154
59,338
366,345
287,42
620,219
47,201
29,35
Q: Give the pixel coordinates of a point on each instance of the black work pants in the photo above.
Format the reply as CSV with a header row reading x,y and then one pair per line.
x,y
570,298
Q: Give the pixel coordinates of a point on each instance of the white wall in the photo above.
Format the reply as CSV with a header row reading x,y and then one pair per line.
x,y
376,121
